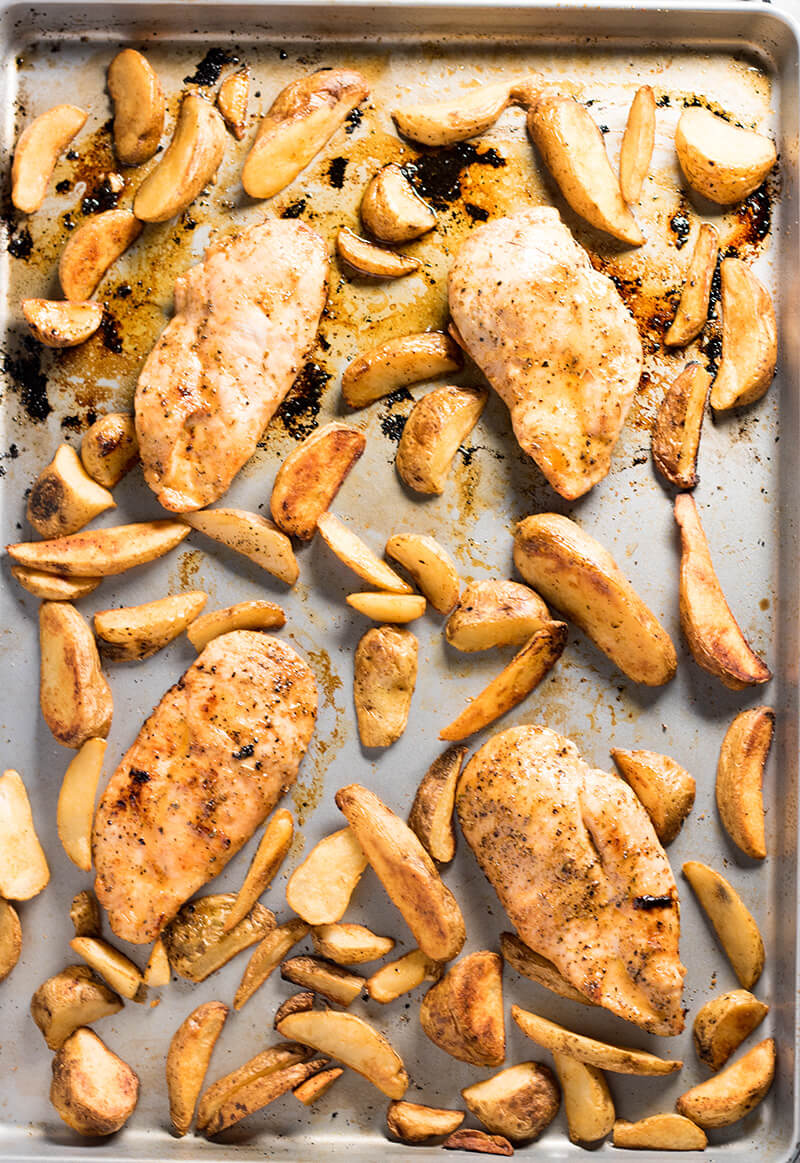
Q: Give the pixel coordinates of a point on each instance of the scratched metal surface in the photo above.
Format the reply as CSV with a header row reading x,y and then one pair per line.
x,y
743,58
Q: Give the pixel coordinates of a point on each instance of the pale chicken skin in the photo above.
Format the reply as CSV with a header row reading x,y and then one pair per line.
x,y
574,859
553,338
245,318
210,763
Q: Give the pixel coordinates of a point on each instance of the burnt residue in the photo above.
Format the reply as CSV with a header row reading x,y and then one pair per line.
x,y
663,102
210,67
681,227
353,120
28,380
436,175
712,350
110,334
392,426
294,209
652,902
336,169
21,244
101,197
652,311
299,411
715,292
476,213
755,214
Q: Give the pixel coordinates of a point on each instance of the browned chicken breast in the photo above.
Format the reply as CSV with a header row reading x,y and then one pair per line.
x,y
575,861
553,338
245,318
208,766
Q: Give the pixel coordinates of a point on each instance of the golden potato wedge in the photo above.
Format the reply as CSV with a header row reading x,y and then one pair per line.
x,y
157,971
58,324
431,815
51,588
323,977
196,941
495,613
75,811
692,310
678,424
478,1141
732,921
320,888
357,555
431,567
232,102
317,1085
617,1059
298,1003
110,448
588,1104
395,978
734,1092
406,871
97,553
23,866
354,1042
258,1093
268,955
84,913
574,152
713,634
114,967
723,1023
446,122
383,607
392,210
519,1102
74,695
188,164
138,101
664,788
413,1123
384,680
72,998
187,1060
10,938
64,497
664,1132
136,632
368,259
38,148
538,969
514,682
270,1061
270,854
312,475
438,425
301,120
258,614
251,535
349,944
576,574
396,364
92,248
749,338
93,1090
740,773
723,162
463,1013
637,144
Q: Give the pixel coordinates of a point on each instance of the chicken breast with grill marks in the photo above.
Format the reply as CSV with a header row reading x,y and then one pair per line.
x,y
245,318
553,338
574,859
209,765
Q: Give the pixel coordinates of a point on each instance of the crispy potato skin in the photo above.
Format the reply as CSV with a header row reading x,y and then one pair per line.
x,y
75,697
85,914
273,1059
479,1141
732,921
311,476
723,1023
437,426
678,424
740,773
495,613
232,102
519,1102
692,310
463,1013
396,364
196,941
603,1055
267,957
137,632
64,497
110,448
10,938
93,1090
431,815
538,969
298,1003
331,981
187,1060
354,1042
385,677
72,998
95,553
139,107
734,1092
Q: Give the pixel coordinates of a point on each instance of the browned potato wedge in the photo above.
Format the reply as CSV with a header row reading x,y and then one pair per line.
x,y
110,448
270,854
113,966
10,938
101,552
258,614
323,977
267,957
734,1092
317,1085
723,162
23,866
678,424
251,535
383,607
270,1061
618,1059
93,1090
349,944
478,1141
398,363
312,475
495,613
692,310
576,574
740,773
413,1123
749,338
301,120
519,1102
72,998
187,1060
138,107
357,555
354,1042
733,923
196,941
384,681
431,815
298,1003
446,122
38,148
637,144
58,324
723,1023
157,971
664,788
438,425
395,978
74,695
232,102
135,632
574,152
392,210
665,1132
369,259
406,871
320,888
538,969
64,497
463,1013
84,913
51,588
715,640
587,1100
75,810
92,248
258,1093
187,166
431,567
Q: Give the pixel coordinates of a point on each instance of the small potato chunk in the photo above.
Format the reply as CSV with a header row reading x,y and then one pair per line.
x,y
369,259
354,1042
196,941
110,448
320,888
251,535
749,338
188,165
431,815
97,553
678,424
273,1060
385,677
734,1092
311,476
37,152
93,1090
446,122
637,144
258,614
84,913
75,811
317,1085
495,613
431,567
664,788
157,971
74,695
323,977
357,555
187,1060
519,1102
733,923
665,1132
383,607
138,107
58,324
723,1023
113,966
64,497
267,957
72,998
414,1123
92,248
740,774
618,1059
692,310
463,1013
723,162
51,588
538,969
273,846
438,425
392,210
23,865
232,102
10,938
136,632
587,1100
350,944
395,978
478,1141
396,364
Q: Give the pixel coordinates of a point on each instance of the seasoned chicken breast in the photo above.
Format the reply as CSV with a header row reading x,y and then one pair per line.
x,y
208,766
574,859
244,320
553,338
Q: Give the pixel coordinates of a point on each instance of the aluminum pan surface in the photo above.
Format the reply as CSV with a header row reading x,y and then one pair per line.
x,y
747,495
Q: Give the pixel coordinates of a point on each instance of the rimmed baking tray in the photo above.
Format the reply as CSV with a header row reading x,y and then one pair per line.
x,y
744,56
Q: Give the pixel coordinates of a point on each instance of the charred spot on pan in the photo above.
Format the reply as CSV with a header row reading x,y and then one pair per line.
x,y
436,175
101,197
715,292
681,227
28,380
755,213
353,119
663,102
299,411
336,169
110,334
712,350
652,902
392,426
21,244
476,213
294,209
210,67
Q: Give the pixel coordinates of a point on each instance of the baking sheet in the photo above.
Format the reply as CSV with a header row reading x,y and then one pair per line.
x,y
743,57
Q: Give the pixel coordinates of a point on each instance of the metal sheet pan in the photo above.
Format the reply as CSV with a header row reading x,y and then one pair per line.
x,y
744,56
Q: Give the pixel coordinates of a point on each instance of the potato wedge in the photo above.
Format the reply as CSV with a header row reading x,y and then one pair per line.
x,y
514,682
64,497
258,614
258,1093
58,324
311,476
576,574
357,555
84,913
740,774
114,967
23,868
352,1041
519,1102
734,1092
266,958
92,249
678,424
188,165
368,259
110,448
349,944
392,210
74,695
72,998
438,425
10,938
37,152
323,977
664,1132
232,102
723,1023
463,1013
692,310
251,535
157,971
397,363
270,854
749,338
75,811
299,123
574,152
97,553
138,101
431,567
93,1090
406,871
196,941
664,788
395,978
538,969
495,613
431,815
383,607
383,685
320,888
478,1141
618,1059
130,633
317,1085
637,144
732,921
298,1003
715,640
446,122
588,1104
413,1123
187,1060
270,1061
51,588
723,162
